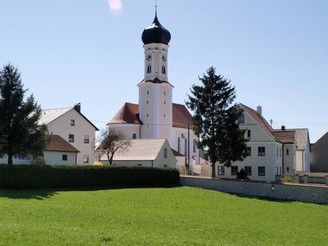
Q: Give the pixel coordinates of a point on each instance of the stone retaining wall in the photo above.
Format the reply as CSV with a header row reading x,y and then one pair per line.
x,y
290,192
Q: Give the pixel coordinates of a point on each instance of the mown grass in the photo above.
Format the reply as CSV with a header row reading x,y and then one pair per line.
x,y
156,216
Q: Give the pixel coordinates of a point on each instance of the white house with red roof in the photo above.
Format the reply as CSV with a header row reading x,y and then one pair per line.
x,y
272,152
156,116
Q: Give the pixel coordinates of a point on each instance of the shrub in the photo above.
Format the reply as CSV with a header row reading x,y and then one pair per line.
x,y
35,176
242,174
288,178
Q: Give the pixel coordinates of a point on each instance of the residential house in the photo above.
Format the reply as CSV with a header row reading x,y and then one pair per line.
x,y
70,124
144,152
272,152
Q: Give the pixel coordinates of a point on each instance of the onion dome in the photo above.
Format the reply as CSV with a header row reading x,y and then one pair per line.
x,y
156,33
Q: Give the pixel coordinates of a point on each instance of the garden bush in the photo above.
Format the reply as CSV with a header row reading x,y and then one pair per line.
x,y
46,176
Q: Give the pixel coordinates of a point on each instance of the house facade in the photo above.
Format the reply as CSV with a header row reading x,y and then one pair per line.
x,y
144,152
59,151
155,116
272,152
71,125
319,155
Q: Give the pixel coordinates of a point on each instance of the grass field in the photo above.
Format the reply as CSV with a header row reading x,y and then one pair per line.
x,y
161,216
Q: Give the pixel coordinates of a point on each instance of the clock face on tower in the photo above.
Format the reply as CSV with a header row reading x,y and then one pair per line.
x,y
163,58
148,58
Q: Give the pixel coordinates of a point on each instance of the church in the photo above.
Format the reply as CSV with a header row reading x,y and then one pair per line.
x,y
156,116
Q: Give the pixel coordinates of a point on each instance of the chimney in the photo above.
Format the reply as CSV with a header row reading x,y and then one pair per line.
x,y
77,107
259,110
283,128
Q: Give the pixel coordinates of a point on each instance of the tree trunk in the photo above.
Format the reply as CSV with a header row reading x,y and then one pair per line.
x,y
10,159
213,170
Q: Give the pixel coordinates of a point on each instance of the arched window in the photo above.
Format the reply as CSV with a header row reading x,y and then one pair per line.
x,y
149,69
134,136
163,70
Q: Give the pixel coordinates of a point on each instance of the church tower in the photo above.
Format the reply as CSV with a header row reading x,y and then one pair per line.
x,y
155,92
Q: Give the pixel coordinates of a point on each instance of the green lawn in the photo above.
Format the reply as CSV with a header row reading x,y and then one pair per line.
x,y
161,216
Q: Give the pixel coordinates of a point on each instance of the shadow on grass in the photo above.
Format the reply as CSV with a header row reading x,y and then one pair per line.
x,y
45,193
38,194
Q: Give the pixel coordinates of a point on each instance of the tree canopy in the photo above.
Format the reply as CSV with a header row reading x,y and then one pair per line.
x,y
113,141
215,119
19,129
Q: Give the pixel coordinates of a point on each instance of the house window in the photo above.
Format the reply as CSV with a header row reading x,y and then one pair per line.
x,y
249,151
71,138
149,69
134,136
64,157
85,158
221,170
241,119
86,139
248,134
165,152
234,170
261,171
261,151
248,170
179,144
72,122
1,156
287,151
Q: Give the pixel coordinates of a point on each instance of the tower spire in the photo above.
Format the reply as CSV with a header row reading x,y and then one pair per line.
x,y
155,8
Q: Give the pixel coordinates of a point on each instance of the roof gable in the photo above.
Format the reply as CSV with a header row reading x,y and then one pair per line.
x,y
260,121
50,115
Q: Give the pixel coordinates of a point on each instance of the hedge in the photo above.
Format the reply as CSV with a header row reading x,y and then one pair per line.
x,y
47,176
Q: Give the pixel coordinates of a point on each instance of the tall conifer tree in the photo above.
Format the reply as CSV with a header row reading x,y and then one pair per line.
x,y
19,129
215,119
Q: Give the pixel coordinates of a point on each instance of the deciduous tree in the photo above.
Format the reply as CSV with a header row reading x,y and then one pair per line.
x,y
113,141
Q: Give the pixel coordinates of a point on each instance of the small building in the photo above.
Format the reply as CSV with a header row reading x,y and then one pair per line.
x,y
144,152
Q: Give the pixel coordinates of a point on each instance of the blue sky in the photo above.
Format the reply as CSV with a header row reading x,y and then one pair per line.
x,y
275,52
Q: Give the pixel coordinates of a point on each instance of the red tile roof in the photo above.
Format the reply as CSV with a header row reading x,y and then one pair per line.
x,y
285,136
128,114
57,143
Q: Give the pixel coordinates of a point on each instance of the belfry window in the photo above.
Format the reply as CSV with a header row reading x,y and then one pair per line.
x,y
149,69
163,70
